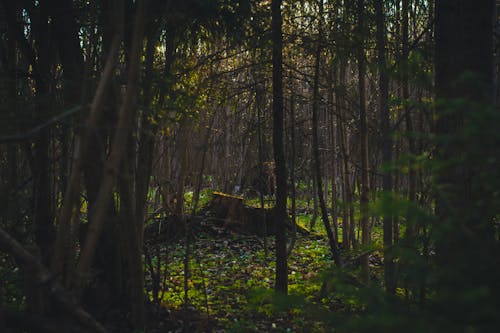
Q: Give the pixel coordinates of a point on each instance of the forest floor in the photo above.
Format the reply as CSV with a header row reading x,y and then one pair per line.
x,y
231,281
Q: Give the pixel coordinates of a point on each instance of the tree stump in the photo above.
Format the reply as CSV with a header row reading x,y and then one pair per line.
x,y
227,205
233,214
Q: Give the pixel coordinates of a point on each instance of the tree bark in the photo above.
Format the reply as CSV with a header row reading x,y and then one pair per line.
x,y
315,145
363,134
293,154
117,150
334,158
412,175
464,33
281,284
386,142
344,166
42,193
82,146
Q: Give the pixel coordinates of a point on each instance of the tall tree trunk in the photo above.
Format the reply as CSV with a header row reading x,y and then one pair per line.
x,y
293,153
464,33
344,166
279,154
166,172
42,194
397,187
258,101
386,142
146,147
82,148
181,164
227,179
412,175
471,48
71,56
98,131
334,159
315,144
363,134
131,235
118,146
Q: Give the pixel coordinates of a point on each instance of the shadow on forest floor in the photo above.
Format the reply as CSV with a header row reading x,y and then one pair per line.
x,y
228,273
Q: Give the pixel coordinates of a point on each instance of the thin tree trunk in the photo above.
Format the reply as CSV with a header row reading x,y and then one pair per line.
x,y
412,181
117,151
364,193
333,165
227,149
146,144
346,196
386,142
82,146
281,285
315,146
42,194
258,101
72,62
131,232
199,183
397,188
292,173
314,217
179,206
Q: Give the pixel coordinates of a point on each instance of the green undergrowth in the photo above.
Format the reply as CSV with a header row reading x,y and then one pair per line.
x,y
230,278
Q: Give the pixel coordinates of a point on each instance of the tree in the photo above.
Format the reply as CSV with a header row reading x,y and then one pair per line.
x,y
363,137
405,53
466,217
468,77
386,139
315,143
279,153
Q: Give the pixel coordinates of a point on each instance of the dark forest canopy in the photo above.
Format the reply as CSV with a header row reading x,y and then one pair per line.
x,y
249,165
